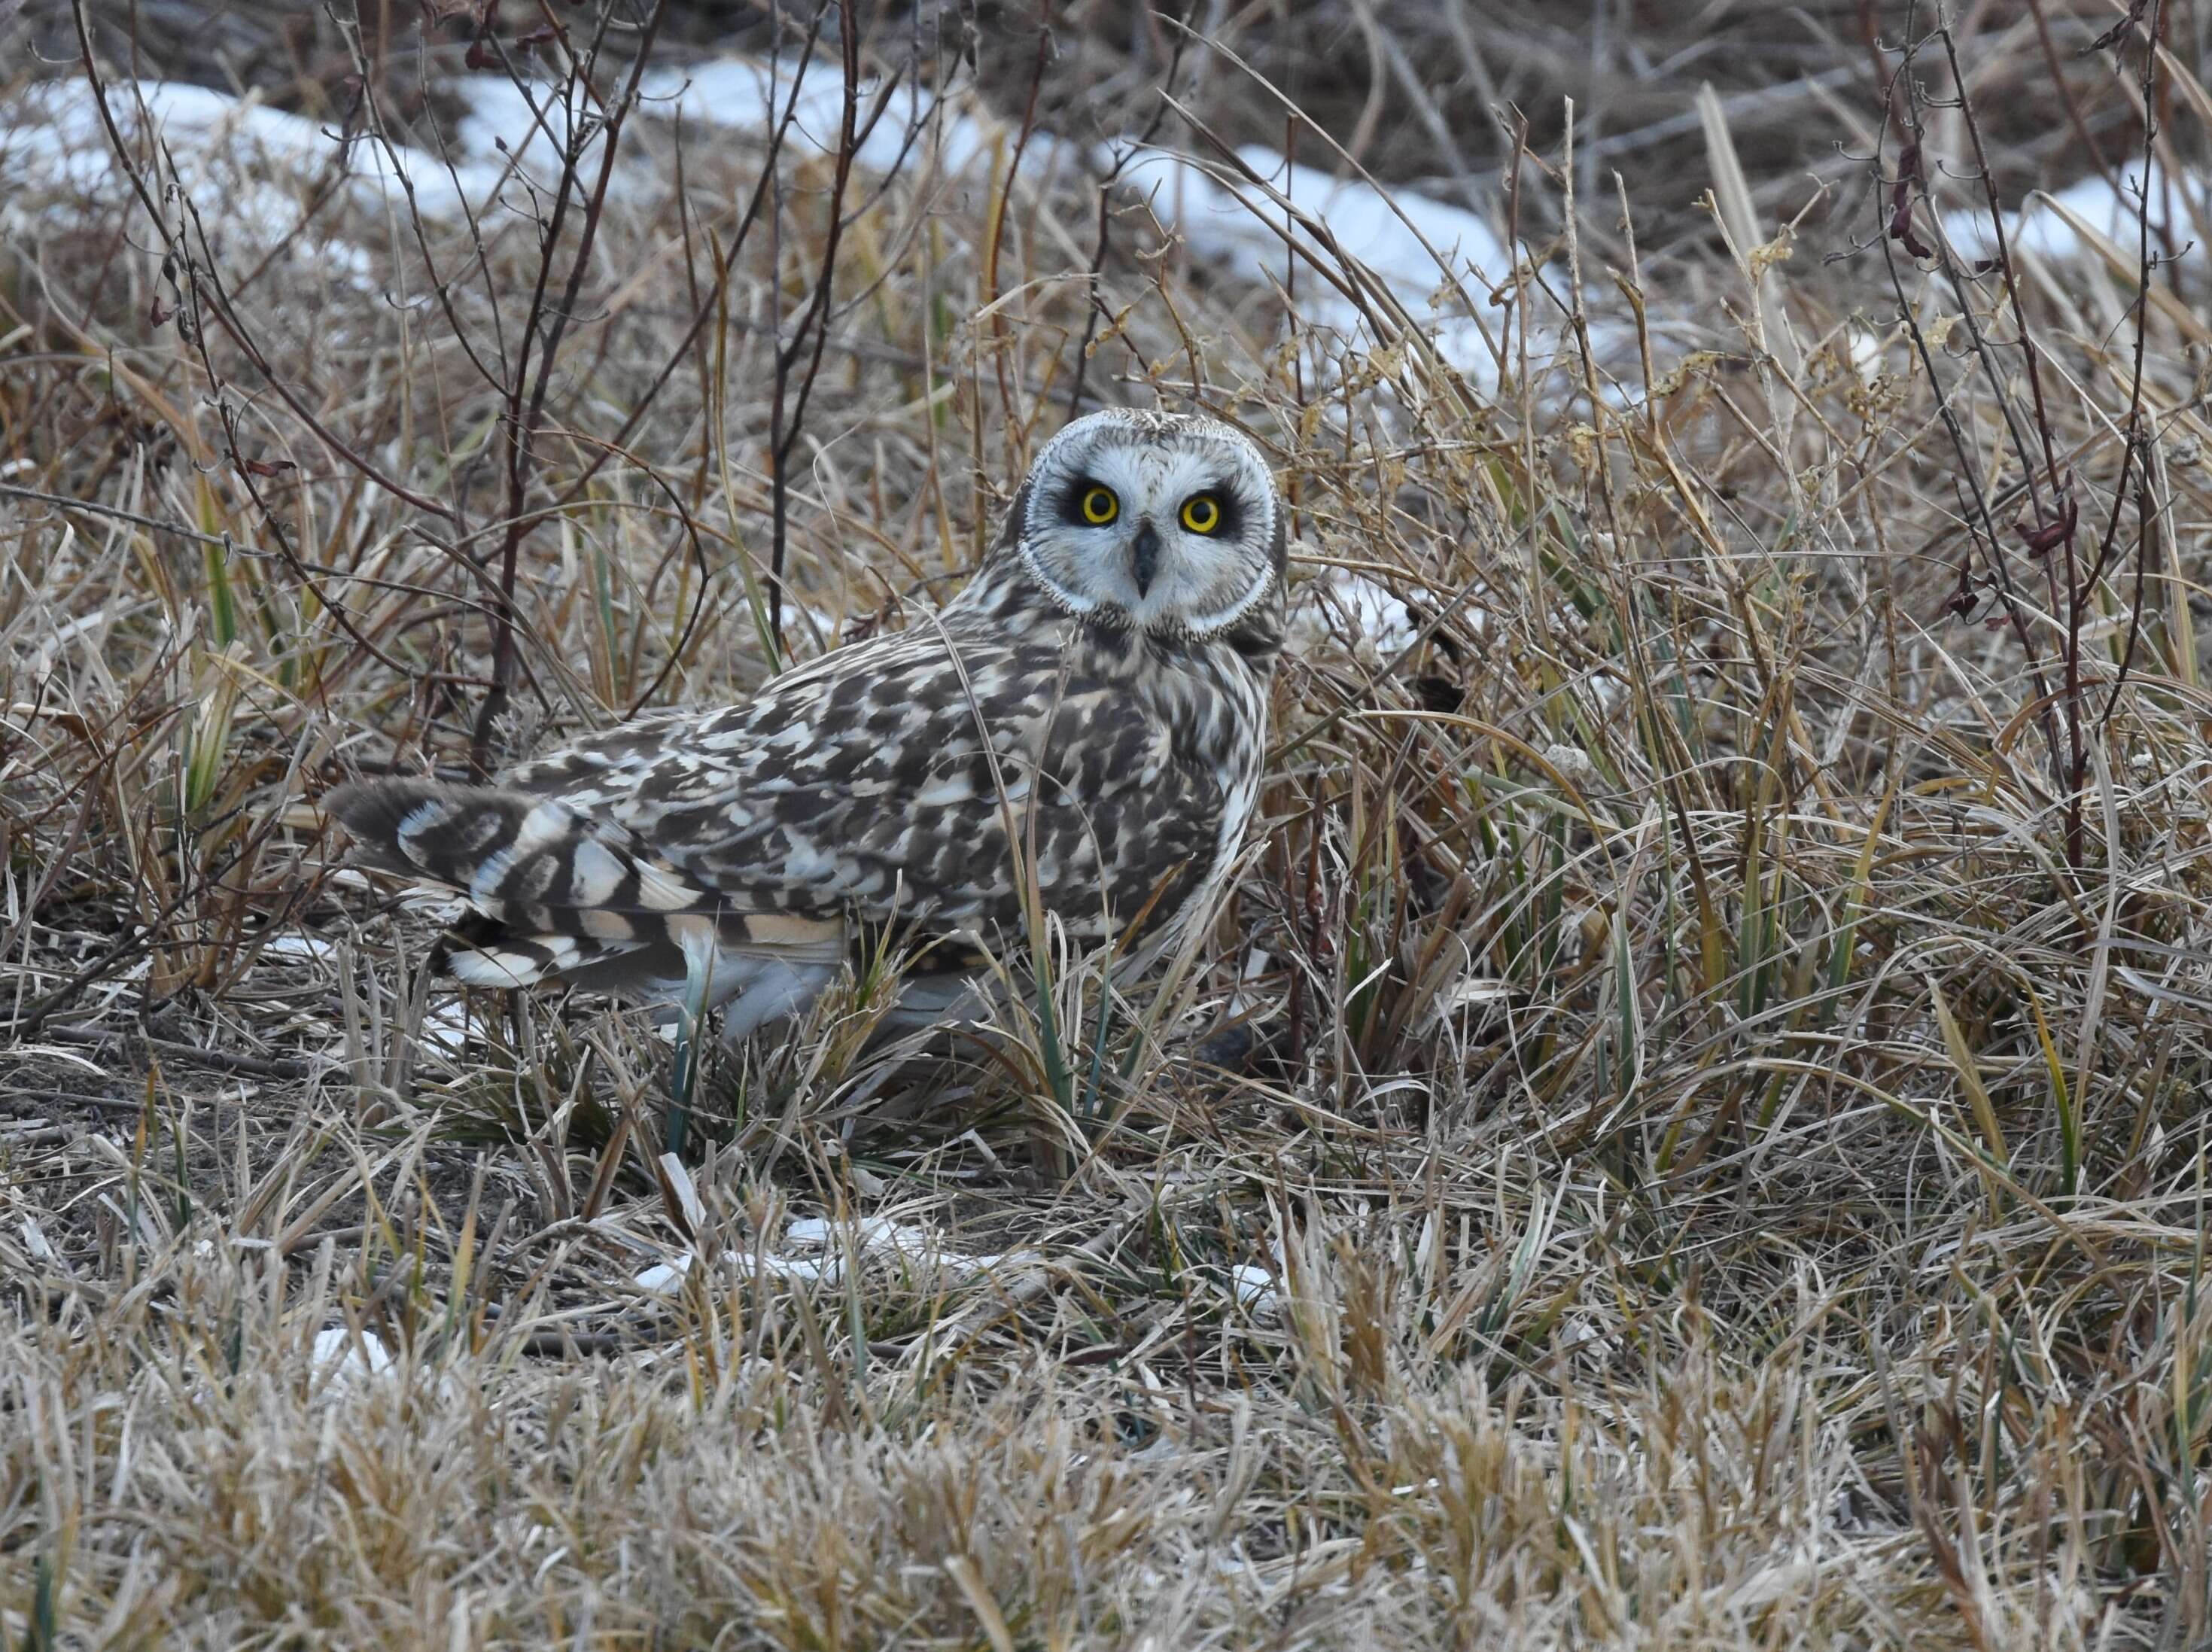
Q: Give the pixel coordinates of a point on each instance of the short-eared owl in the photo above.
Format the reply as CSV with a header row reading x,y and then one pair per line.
x,y
1089,713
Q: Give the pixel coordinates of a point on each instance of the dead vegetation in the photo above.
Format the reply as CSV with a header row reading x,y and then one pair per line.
x,y
1687,1135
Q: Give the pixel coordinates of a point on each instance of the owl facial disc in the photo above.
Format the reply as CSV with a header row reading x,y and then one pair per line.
x,y
1159,522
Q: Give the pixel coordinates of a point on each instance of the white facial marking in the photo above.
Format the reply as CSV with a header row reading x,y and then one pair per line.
x,y
1196,583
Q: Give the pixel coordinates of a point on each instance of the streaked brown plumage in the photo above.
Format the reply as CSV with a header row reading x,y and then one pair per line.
x,y
1094,703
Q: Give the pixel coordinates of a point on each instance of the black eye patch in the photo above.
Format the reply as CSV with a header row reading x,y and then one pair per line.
x,y
1090,503
1232,510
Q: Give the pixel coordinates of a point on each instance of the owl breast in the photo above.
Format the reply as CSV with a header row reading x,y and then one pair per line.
x,y
1212,706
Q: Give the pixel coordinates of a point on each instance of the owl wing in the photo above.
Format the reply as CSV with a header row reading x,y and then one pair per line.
x,y
896,784
890,784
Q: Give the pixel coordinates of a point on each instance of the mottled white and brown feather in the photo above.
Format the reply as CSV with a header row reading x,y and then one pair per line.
x,y
917,781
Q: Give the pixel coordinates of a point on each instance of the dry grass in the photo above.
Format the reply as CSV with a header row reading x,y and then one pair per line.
x,y
1712,1157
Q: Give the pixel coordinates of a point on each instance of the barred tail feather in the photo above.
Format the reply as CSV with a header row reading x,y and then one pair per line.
x,y
505,849
558,894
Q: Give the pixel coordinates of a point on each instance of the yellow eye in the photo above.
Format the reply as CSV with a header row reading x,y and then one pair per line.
x,y
1202,512
1100,507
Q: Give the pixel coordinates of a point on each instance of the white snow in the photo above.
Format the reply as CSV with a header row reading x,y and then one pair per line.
x,y
503,122
751,95
1250,1286
666,1278
871,1235
252,172
1339,605
258,165
314,947
342,1359
868,1232
2046,224
1438,260
445,1029
1254,1287
1416,247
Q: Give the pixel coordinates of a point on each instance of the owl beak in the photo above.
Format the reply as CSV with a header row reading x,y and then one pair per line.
x,y
1146,562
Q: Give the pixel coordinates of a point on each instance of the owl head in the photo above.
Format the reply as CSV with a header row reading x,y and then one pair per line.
x,y
1167,523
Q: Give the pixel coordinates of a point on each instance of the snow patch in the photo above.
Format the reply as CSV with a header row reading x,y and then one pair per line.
x,y
667,1277
1254,1287
264,168
445,1029
2044,225
1439,261
753,95
341,1359
1343,605
315,948
1415,243
870,1236
1339,606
